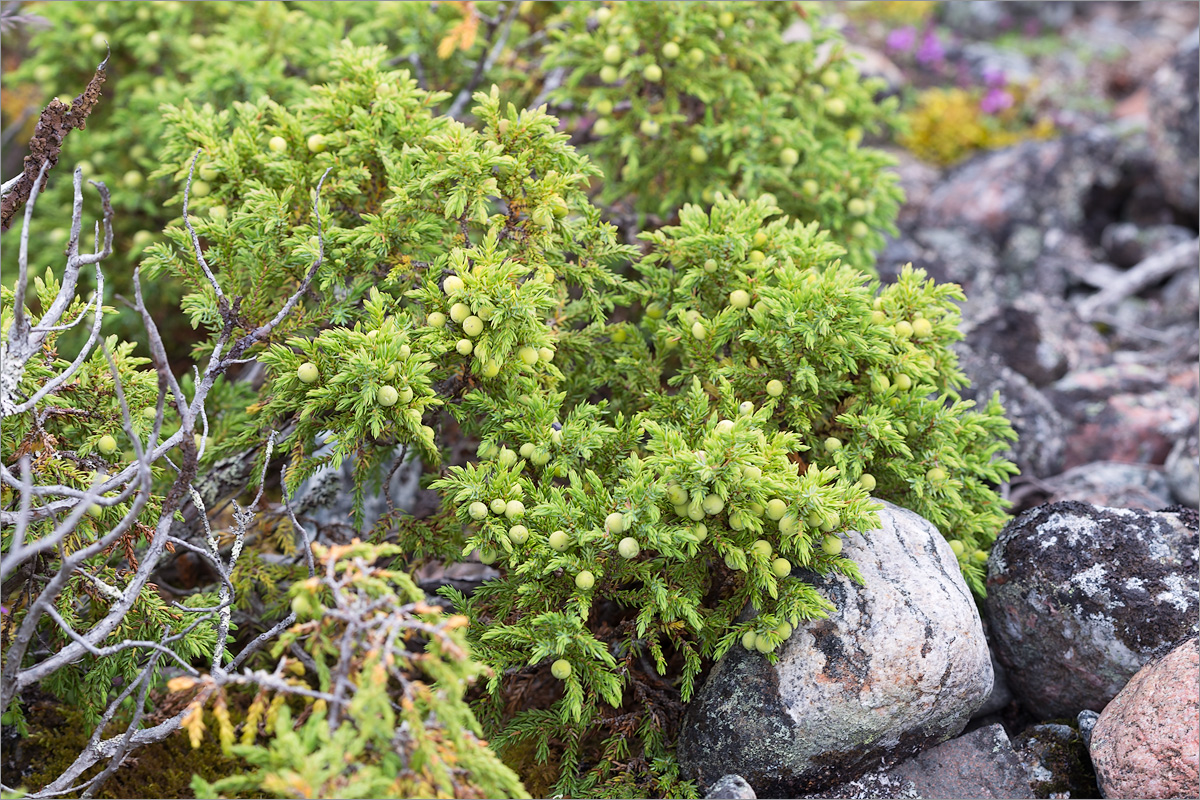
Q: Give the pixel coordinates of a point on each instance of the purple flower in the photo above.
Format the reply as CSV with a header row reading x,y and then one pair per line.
x,y
994,78
995,101
901,40
3,609
931,50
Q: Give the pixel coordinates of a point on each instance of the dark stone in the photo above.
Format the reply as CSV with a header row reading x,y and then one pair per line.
x,y
1183,471
1041,442
1079,597
1057,760
1175,126
1084,723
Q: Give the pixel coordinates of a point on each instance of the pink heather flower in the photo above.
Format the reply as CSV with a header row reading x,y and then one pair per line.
x,y
931,50
901,40
995,101
994,78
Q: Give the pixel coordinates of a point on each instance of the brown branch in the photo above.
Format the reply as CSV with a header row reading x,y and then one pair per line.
x,y
57,120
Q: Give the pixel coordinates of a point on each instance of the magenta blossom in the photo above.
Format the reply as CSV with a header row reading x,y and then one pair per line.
x,y
901,40
995,101
931,50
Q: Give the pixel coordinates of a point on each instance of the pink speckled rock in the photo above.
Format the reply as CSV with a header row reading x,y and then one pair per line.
x,y
1147,741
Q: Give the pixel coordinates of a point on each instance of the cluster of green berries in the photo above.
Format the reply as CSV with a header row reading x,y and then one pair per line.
x,y
472,322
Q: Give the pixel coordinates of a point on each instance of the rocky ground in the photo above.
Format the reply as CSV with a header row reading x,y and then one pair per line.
x,y
1079,258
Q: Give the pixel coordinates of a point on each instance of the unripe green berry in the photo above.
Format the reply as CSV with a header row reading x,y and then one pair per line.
x,y
277,144
979,556
316,143
922,328
613,54
453,285
867,481
107,445
491,369
528,355
936,476
559,540
713,504
477,510
498,505
540,457
880,383
459,312
585,580
387,396
308,373
903,329
710,265
628,548
652,73
677,494
514,509
472,326
650,127
487,557
833,444
561,669
739,298
856,207
958,547
526,450
763,645
604,107
781,568
879,317
789,157
746,408
749,638
832,545
518,534
784,630
774,388
655,311
670,50
698,330
762,547
682,510
698,154
776,508
859,230
810,187
701,532
751,473
736,521
437,319
614,522
789,525
602,127
757,256
836,106
464,347
609,74
545,354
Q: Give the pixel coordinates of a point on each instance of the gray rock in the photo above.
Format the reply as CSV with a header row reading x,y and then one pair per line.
x,y
326,498
1057,761
1175,125
1041,440
1112,484
898,667
1127,244
1183,471
1085,722
731,787
979,764
983,19
1080,596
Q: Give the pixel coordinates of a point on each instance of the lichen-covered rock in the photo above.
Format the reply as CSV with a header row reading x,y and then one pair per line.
x,y
1175,125
1147,740
731,787
979,764
1183,471
1057,761
1080,596
898,667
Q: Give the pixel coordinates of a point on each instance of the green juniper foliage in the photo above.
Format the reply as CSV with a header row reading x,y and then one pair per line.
x,y
679,101
671,471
